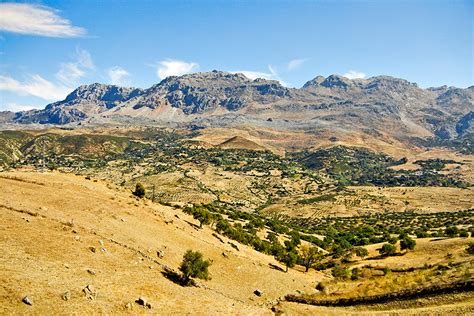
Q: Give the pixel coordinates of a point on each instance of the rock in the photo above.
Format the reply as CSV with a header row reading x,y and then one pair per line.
x,y
90,292
66,296
93,249
160,254
128,306
27,300
258,292
143,302
101,242
225,255
90,271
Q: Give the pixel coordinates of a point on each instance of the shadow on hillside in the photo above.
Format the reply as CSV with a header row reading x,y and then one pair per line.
x,y
177,278
274,266
174,277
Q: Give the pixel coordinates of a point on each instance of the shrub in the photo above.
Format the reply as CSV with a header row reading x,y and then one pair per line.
x,y
194,266
203,216
139,190
361,252
341,272
355,274
463,234
470,248
407,243
387,250
386,270
451,231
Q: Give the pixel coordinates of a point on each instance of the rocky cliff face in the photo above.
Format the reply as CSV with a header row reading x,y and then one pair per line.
x,y
201,92
80,104
222,98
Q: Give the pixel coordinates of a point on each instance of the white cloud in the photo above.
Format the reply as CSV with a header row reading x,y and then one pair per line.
x,y
171,67
272,74
14,107
117,74
295,63
36,86
35,19
354,75
70,73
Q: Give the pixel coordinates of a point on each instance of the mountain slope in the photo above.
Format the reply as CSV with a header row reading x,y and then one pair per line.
x,y
126,235
376,106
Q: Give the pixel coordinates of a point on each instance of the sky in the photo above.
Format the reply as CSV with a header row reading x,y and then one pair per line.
x,y
48,48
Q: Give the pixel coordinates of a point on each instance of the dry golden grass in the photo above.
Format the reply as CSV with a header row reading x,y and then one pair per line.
x,y
46,255
362,199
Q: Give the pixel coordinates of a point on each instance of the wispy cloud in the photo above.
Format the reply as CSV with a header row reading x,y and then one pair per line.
x,y
35,19
70,73
295,64
172,67
35,86
272,74
352,74
117,74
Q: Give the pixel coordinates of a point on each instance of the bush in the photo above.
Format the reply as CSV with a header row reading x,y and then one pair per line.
x,y
463,234
139,190
361,252
387,250
407,243
341,272
194,266
355,274
451,231
470,248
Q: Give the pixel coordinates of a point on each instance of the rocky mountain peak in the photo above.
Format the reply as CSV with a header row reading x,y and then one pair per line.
x,y
102,92
337,81
204,91
389,83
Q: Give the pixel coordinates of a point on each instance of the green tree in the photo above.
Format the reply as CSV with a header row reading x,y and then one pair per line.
x,y
451,231
387,250
361,252
203,216
289,259
309,256
139,190
194,266
407,243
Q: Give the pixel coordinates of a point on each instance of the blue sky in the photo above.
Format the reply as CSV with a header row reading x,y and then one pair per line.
x,y
48,48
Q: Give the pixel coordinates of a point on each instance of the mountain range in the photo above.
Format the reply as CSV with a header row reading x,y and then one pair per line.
x,y
377,105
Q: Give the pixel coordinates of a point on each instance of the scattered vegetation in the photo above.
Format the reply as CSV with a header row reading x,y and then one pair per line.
x,y
194,266
139,191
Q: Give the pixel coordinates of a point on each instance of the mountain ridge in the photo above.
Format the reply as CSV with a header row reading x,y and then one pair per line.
x,y
220,98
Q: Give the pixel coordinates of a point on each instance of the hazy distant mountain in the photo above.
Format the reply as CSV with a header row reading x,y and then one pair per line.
x,y
378,104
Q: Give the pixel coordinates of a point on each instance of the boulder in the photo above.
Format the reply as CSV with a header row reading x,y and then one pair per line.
x,y
27,300
258,292
66,296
